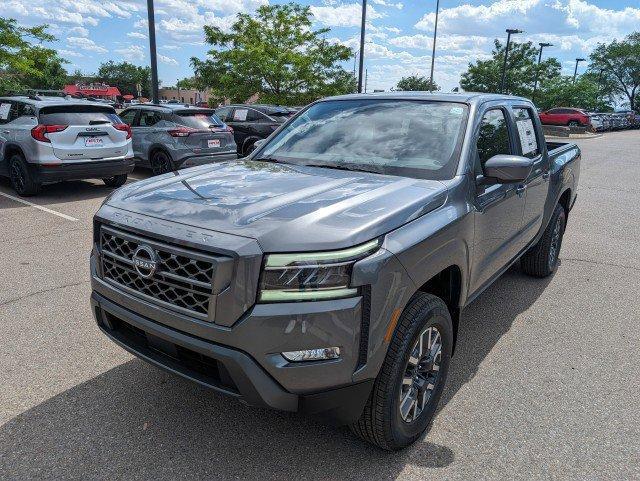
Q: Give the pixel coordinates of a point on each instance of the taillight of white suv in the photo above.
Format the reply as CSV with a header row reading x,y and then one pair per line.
x,y
39,132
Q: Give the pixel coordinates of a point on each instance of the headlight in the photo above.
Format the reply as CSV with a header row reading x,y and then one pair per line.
x,y
311,276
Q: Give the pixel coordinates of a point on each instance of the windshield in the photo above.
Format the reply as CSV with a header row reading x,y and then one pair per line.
x,y
400,137
199,120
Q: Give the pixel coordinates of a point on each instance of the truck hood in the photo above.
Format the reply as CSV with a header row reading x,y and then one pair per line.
x,y
284,207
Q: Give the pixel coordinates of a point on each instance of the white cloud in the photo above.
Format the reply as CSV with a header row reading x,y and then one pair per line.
x,y
78,31
170,47
444,42
131,53
343,15
384,3
136,35
167,60
63,52
87,44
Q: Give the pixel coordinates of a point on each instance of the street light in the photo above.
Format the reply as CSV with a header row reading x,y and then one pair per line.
x,y
509,31
152,50
575,72
435,34
535,85
362,25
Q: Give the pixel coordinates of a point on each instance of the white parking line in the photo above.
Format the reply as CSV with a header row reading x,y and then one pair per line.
x,y
44,209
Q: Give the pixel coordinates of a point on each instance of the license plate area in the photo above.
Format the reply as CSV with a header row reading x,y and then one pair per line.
x,y
93,142
213,143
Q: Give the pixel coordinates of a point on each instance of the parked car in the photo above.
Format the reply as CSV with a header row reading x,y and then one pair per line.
x,y
565,116
51,140
327,272
202,104
632,119
252,122
605,119
169,136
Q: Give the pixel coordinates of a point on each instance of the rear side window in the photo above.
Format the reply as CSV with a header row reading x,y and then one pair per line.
x,y
494,136
223,113
149,118
8,111
526,132
128,117
77,115
198,120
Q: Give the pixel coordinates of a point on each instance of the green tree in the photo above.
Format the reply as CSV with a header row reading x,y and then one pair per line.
x,y
24,62
617,66
126,77
485,75
417,83
585,93
275,54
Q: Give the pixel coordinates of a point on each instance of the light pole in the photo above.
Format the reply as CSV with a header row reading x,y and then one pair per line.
x,y
575,72
362,27
435,34
510,31
152,51
535,84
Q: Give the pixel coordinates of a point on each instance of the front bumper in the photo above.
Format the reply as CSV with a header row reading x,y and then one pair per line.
x,y
95,169
222,368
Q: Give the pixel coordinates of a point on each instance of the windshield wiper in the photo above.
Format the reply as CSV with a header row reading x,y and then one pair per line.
x,y
355,168
267,158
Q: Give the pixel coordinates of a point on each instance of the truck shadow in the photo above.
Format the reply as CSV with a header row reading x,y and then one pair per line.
x,y
137,422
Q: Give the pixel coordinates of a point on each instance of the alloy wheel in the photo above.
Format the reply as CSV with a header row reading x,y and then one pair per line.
x,y
17,176
421,374
555,243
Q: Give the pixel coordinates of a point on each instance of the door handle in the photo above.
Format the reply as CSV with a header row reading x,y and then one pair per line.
x,y
546,175
520,190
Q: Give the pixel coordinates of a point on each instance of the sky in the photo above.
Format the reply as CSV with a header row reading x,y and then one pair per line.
x,y
398,42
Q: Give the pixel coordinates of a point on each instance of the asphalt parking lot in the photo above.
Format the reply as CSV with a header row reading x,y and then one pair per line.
x,y
544,384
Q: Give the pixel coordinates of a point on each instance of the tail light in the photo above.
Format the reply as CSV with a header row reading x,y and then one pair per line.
x,y
123,128
39,132
181,132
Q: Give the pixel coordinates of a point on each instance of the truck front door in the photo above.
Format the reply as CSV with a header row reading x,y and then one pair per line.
x,y
498,207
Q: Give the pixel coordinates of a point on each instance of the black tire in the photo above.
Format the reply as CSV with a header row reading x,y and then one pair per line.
x,y
541,260
248,147
161,163
21,176
381,422
115,181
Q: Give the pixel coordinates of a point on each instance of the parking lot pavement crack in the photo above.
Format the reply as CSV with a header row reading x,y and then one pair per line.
x,y
32,294
601,263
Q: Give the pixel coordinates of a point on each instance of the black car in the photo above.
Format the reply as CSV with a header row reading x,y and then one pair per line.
x,y
252,122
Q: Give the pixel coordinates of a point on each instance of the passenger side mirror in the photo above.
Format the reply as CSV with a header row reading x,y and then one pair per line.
x,y
508,169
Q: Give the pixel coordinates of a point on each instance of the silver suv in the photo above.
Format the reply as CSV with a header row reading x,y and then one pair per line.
x,y
167,137
50,139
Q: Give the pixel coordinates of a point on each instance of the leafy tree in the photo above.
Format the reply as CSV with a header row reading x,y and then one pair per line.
x,y
485,75
417,83
618,66
189,83
585,93
24,62
276,54
126,76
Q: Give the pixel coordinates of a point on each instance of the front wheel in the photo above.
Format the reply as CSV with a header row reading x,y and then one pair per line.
x,y
115,181
161,163
409,385
541,260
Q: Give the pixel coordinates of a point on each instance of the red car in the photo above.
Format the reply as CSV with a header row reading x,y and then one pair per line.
x,y
565,116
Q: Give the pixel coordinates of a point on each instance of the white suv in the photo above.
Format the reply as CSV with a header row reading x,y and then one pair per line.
x,y
52,139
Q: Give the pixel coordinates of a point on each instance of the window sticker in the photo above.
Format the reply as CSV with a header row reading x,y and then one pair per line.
x,y
240,115
456,110
527,136
4,111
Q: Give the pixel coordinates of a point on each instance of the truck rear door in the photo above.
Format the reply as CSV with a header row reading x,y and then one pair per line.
x,y
84,132
530,144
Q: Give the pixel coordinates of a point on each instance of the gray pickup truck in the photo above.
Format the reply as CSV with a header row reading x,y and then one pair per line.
x,y
327,273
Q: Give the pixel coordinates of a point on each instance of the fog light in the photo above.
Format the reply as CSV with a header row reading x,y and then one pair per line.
x,y
312,354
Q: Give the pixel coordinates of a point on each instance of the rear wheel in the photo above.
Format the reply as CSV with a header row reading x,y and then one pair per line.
x,y
21,176
115,181
408,388
161,162
541,260
248,147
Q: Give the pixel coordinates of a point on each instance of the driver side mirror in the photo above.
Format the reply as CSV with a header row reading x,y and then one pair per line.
x,y
507,169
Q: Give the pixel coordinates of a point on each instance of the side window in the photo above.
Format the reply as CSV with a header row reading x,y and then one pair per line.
x,y
149,118
493,138
240,115
26,110
8,111
223,113
255,116
526,132
128,116
554,111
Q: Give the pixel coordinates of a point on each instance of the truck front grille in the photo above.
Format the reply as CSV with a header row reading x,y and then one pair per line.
x,y
182,278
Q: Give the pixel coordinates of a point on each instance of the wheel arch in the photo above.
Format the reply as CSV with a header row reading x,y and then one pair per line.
x,y
158,147
10,149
